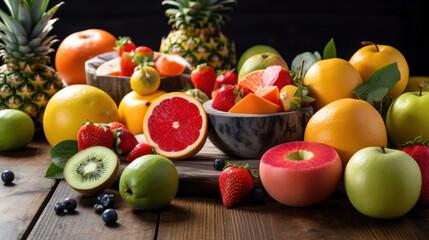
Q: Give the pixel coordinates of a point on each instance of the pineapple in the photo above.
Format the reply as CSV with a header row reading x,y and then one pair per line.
x,y
196,34
27,82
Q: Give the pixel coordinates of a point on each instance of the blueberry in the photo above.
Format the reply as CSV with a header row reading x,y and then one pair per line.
x,y
99,197
108,200
219,164
59,207
7,176
109,216
98,208
257,195
70,204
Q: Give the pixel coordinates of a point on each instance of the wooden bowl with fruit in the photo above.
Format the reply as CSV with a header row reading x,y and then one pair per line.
x,y
104,72
266,108
251,135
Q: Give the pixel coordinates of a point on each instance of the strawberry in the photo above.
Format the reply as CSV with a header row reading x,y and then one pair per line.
x,y
204,78
115,125
235,183
420,152
144,52
127,65
92,134
139,150
245,90
226,98
125,141
124,44
143,56
228,77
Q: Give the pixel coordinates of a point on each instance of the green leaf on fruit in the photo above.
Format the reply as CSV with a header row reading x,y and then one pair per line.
x,y
54,172
63,151
308,58
376,87
330,51
60,154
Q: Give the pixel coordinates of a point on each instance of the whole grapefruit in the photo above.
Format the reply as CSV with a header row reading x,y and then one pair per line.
x,y
347,125
79,47
73,105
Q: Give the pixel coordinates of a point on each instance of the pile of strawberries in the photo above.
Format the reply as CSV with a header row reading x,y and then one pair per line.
x,y
132,56
114,136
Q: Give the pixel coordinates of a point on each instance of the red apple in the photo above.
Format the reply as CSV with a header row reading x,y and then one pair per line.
x,y
300,173
276,76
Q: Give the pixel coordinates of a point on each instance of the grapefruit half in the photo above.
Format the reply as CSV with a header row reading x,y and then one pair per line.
x,y
175,125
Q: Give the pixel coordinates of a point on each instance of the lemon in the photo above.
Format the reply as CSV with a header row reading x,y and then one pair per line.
x,y
145,81
16,129
73,105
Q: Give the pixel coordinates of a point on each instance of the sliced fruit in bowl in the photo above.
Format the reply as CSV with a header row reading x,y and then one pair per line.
x,y
251,135
170,65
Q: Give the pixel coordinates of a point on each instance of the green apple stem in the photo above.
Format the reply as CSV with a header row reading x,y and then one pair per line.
x,y
371,43
422,85
128,190
383,149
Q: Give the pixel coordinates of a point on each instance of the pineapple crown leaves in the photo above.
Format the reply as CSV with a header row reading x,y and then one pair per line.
x,y
251,171
187,14
417,141
24,31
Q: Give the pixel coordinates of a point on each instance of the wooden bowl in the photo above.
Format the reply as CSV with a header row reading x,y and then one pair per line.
x,y
251,135
117,87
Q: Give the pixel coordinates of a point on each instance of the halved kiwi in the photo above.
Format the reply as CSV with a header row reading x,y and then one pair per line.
x,y
92,170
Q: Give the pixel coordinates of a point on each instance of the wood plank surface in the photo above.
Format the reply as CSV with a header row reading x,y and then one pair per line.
x,y
22,201
335,218
86,224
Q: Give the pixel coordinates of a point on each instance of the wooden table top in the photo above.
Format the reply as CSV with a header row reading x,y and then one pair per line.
x,y
26,209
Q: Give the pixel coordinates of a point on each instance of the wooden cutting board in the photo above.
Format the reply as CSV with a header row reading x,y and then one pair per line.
x,y
197,176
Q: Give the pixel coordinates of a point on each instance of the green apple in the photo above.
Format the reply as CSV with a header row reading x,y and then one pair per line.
x,y
149,183
253,51
408,117
259,62
382,182
16,129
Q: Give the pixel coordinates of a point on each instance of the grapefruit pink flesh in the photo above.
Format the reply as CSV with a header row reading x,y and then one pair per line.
x,y
300,173
111,67
175,131
176,126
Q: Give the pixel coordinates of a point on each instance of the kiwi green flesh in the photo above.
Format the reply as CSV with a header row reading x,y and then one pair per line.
x,y
92,170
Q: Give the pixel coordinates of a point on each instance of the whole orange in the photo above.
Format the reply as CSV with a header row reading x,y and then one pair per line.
x,y
330,80
73,105
79,47
370,58
132,110
347,125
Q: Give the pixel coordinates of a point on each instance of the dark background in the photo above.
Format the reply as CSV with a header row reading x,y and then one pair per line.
x,y
291,27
